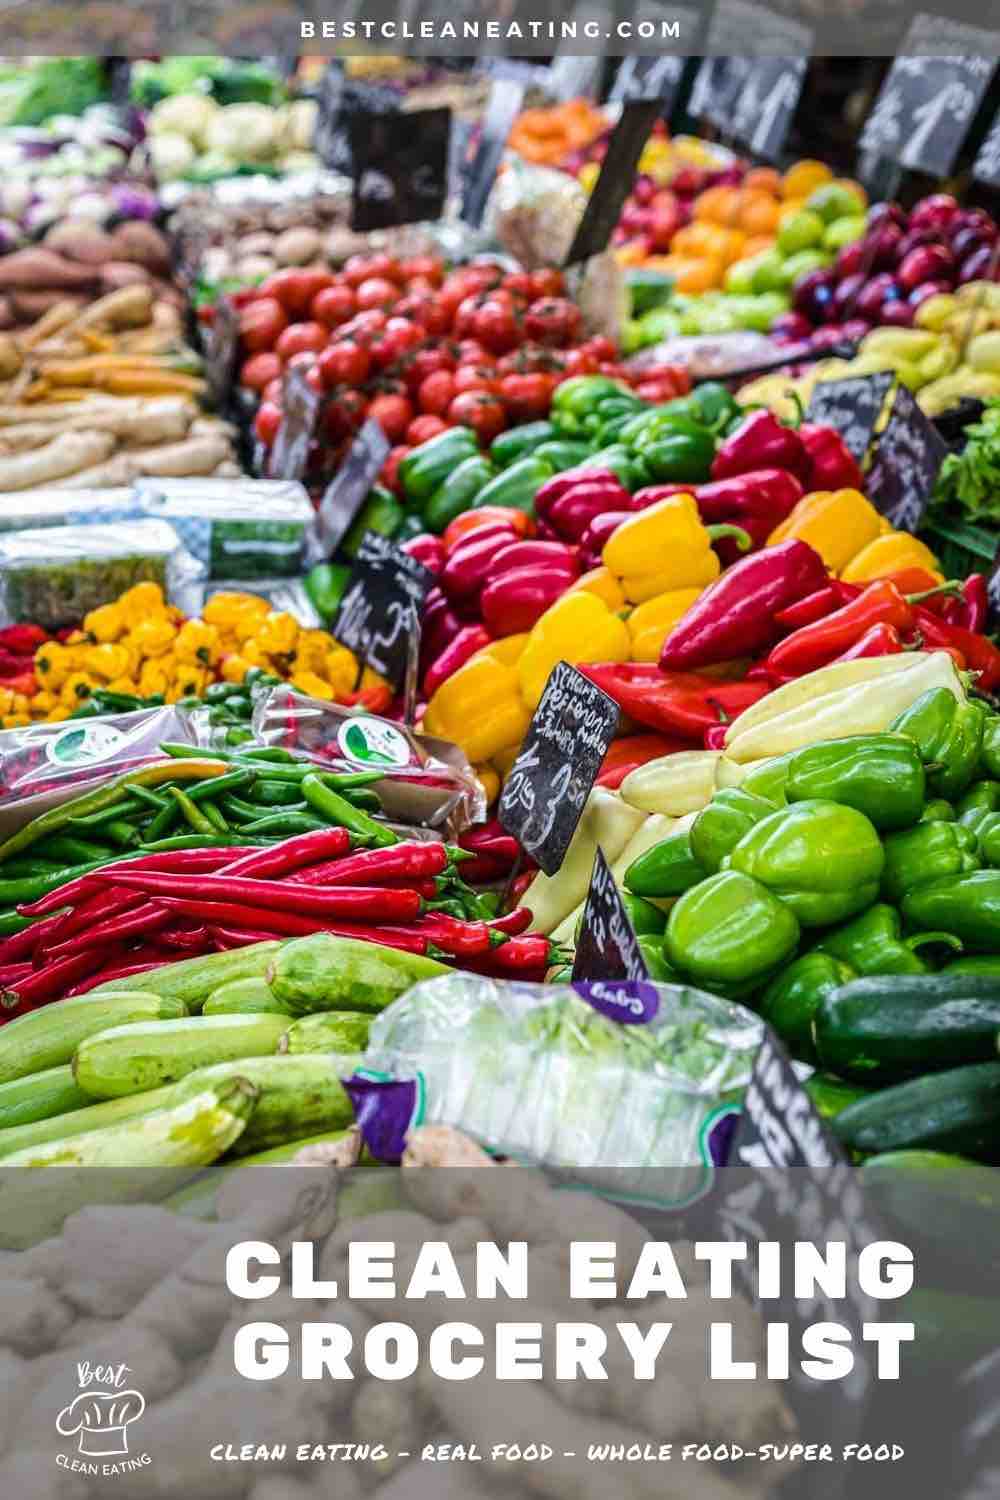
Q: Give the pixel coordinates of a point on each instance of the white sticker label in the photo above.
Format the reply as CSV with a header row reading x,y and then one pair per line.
x,y
373,742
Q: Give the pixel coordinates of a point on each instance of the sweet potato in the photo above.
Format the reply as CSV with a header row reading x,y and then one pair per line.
x,y
128,307
31,270
142,243
80,241
66,455
8,317
29,305
119,273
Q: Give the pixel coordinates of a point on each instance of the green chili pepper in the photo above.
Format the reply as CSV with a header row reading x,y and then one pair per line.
x,y
275,754
285,824
215,786
215,816
202,841
65,847
192,813
342,782
11,924
336,809
270,793
151,799
23,892
163,822
121,833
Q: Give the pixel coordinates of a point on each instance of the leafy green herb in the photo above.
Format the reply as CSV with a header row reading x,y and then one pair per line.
x,y
971,479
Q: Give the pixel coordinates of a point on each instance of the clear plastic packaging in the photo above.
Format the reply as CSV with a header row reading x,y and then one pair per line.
x,y
238,528
286,595
425,780
55,576
22,509
534,211
549,1074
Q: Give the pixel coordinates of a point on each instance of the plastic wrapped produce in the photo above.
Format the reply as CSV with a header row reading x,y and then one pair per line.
x,y
37,508
55,576
585,1078
534,212
239,528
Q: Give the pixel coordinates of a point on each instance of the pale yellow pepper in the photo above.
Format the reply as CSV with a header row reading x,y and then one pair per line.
x,y
576,628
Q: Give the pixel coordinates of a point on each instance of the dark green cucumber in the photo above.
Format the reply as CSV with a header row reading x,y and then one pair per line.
x,y
957,1111
883,1029
939,1199
830,1095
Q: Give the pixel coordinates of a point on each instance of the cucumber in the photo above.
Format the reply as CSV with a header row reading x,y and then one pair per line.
x,y
323,972
132,1059
882,1030
277,1155
327,1031
299,1096
830,1095
93,1117
244,997
941,1200
192,1132
39,1096
192,980
48,1037
957,1111
951,1329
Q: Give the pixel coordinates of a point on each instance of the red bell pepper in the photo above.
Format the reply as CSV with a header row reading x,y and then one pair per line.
x,y
516,600
571,513
815,645
597,533
970,608
560,484
427,549
680,704
470,562
758,501
832,465
634,750
734,617
439,626
462,646
981,656
535,555
761,442
22,640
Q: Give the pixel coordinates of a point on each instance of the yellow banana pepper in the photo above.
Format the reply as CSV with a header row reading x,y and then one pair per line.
x,y
603,583
891,554
576,628
479,708
649,624
661,548
836,523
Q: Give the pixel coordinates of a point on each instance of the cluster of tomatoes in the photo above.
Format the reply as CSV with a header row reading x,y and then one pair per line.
x,y
415,347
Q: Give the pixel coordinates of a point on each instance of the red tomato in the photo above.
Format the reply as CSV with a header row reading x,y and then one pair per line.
x,y
364,326
334,305
479,410
527,397
520,283
471,352
424,427
601,348
260,324
403,335
299,338
344,414
581,361
356,268
426,267
615,372
272,391
295,288
427,311
344,363
529,358
381,264
496,325
389,472
259,370
393,414
475,378
553,321
377,291
548,282
436,393
267,422
426,362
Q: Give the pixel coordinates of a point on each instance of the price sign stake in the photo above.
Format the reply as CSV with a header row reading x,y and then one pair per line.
x,y
909,454
379,614
300,409
346,492
617,171
608,947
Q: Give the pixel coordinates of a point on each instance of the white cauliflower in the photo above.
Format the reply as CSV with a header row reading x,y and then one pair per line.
x,y
189,115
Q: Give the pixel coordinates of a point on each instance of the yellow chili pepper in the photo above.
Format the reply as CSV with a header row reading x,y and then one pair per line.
x,y
891,554
661,548
649,624
836,523
479,708
576,628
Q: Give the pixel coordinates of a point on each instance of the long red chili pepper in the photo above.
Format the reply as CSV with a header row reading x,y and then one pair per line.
x,y
513,923
54,979
139,962
230,937
293,854
526,956
194,939
23,944
370,903
970,608
193,860
491,839
404,938
229,914
100,907
147,918
877,640
483,869
980,653
379,866
815,645
11,973
455,936
832,596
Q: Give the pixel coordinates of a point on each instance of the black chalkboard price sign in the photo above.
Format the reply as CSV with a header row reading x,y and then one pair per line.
x,y
400,164
300,405
851,406
345,494
221,353
608,948
909,454
551,779
986,167
717,85
931,94
612,186
379,614
767,103
502,108
648,78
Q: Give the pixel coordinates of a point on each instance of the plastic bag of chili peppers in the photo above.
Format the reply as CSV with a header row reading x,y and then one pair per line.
x,y
424,780
71,756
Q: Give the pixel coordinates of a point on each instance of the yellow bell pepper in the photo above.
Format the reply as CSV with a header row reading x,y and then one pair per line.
x,y
42,702
479,708
278,633
197,643
649,624
234,668
156,675
891,554
661,548
107,661
152,638
838,524
576,628
603,583
105,624
75,690
489,781
313,686
507,650
226,608
144,601
190,680
53,664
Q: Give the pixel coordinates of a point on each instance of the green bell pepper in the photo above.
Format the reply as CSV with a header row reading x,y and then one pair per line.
x,y
427,467
457,493
577,398
949,737
518,442
967,906
666,422
680,458
381,512
926,852
991,745
711,404
729,930
873,943
794,995
823,860
937,811
768,778
668,869
647,920
325,585
651,948
881,775
719,827
981,794
563,453
647,289
629,469
517,486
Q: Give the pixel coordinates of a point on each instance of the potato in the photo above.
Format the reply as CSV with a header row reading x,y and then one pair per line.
x,y
297,247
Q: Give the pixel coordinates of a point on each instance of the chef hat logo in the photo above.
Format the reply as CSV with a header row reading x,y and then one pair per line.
x,y
101,1419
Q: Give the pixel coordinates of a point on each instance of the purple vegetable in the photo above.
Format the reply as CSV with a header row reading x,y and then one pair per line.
x,y
132,201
